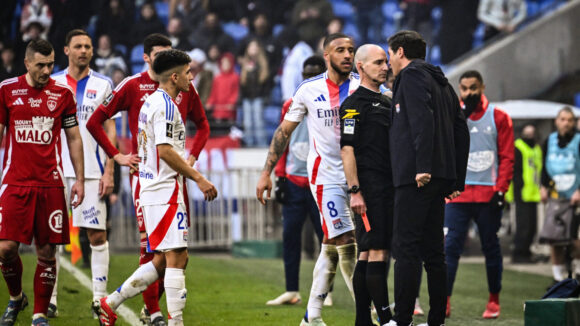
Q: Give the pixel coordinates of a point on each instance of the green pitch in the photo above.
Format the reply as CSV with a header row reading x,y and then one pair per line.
x,y
226,291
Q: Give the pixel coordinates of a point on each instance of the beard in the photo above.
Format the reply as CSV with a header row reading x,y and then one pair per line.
x,y
339,70
471,103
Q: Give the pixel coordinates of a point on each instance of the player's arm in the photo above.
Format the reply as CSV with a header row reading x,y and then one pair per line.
x,y
197,115
349,136
75,145
107,182
177,163
505,150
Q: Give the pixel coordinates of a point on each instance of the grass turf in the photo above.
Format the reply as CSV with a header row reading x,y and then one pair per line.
x,y
230,291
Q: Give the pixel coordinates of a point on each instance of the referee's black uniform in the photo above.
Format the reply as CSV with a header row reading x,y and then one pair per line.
x,y
365,120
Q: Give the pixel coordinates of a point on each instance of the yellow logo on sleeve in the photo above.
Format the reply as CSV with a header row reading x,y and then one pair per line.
x,y
350,113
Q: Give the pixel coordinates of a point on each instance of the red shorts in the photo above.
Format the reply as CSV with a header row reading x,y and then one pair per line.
x,y
33,212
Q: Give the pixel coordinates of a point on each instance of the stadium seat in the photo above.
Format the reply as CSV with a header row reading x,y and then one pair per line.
x,y
478,36
391,11
351,30
121,48
162,8
271,115
235,30
577,100
277,29
343,9
136,59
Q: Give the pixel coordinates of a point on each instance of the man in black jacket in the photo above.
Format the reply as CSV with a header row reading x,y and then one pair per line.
x,y
429,144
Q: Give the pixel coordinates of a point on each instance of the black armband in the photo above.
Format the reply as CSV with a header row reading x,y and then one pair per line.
x,y
69,121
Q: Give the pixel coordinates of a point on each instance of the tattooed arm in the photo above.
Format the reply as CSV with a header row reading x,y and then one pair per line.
x,y
277,148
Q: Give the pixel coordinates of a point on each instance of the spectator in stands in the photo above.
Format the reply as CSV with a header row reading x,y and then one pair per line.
x,y
149,23
501,16
211,32
254,88
369,18
526,192
213,55
230,10
190,12
9,68
6,17
310,17
117,77
115,20
417,17
335,25
291,72
177,35
224,91
202,78
107,59
458,23
36,11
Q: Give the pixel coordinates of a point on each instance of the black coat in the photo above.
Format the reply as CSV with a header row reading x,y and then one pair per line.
x,y
429,133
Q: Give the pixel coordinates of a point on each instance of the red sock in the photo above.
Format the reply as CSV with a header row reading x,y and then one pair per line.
x,y
494,297
151,294
44,279
12,271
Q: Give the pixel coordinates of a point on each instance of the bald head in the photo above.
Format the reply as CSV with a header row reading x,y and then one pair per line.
x,y
365,51
371,63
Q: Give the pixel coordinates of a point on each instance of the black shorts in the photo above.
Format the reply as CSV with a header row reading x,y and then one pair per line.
x,y
379,199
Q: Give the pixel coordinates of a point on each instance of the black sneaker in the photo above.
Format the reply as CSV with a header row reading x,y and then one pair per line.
x,y
52,311
158,321
12,310
40,321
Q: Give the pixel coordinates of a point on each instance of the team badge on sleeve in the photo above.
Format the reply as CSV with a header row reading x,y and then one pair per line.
x,y
349,126
169,130
108,99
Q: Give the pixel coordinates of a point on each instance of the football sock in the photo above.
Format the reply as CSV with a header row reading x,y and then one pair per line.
x,y
559,272
347,260
12,272
150,295
43,284
176,294
322,277
362,298
55,290
100,269
377,287
494,297
135,284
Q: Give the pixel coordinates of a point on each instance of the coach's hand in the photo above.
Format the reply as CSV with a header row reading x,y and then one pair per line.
x,y
208,189
131,160
575,200
77,193
422,179
357,203
264,184
453,195
106,184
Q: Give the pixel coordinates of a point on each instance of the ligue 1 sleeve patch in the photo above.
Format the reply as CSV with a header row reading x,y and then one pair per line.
x,y
350,113
349,126
169,130
108,99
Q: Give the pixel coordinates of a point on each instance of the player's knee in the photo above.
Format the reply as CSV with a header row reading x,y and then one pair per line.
x,y
345,238
47,251
8,250
97,237
377,255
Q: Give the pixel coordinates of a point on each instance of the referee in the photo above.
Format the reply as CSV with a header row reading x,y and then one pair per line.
x,y
365,119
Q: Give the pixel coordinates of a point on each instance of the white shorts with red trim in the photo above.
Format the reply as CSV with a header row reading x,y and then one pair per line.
x,y
166,226
92,212
333,205
135,192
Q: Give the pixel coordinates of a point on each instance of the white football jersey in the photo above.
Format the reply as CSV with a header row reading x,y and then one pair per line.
x,y
90,92
159,123
319,99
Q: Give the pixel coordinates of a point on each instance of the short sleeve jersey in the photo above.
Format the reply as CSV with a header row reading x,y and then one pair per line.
x,y
90,92
159,123
319,99
34,118
132,92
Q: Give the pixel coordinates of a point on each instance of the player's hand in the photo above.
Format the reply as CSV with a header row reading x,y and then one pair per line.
x,y
191,160
106,185
544,194
357,203
77,193
131,160
575,200
208,189
453,195
422,179
264,184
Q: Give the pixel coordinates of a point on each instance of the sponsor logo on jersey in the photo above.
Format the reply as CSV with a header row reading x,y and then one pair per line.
x,y
51,105
18,101
91,94
91,215
19,92
349,126
146,175
144,97
51,95
350,113
147,87
34,103
337,224
320,98
37,131
55,221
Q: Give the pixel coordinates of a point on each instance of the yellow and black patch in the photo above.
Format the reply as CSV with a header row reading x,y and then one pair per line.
x,y
350,113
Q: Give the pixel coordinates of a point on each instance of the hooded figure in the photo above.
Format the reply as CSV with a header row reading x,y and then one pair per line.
x,y
224,91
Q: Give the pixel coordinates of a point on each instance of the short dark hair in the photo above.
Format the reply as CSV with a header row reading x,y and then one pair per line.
x,y
567,109
333,37
39,46
412,43
73,33
314,60
170,59
153,40
471,74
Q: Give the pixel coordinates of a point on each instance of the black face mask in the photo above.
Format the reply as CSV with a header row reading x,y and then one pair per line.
x,y
471,102
530,141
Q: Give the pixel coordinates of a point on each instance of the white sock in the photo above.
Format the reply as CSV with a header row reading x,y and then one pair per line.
x,y
55,289
135,284
100,269
559,272
322,278
347,261
176,294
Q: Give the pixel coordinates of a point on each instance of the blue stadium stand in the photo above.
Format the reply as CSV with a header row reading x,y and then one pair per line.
x,y
136,59
235,30
162,9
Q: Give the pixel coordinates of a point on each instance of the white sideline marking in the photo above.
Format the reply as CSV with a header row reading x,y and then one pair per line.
x,y
129,315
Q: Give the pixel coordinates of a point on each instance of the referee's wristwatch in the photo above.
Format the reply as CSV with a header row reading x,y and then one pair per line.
x,y
353,190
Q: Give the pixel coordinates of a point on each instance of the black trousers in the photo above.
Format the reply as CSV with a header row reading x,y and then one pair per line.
x,y
418,237
526,227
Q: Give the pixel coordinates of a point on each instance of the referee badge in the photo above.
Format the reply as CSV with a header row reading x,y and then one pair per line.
x,y
349,126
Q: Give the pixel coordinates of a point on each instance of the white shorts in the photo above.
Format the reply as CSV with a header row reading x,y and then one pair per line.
x,y
333,205
92,212
166,226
